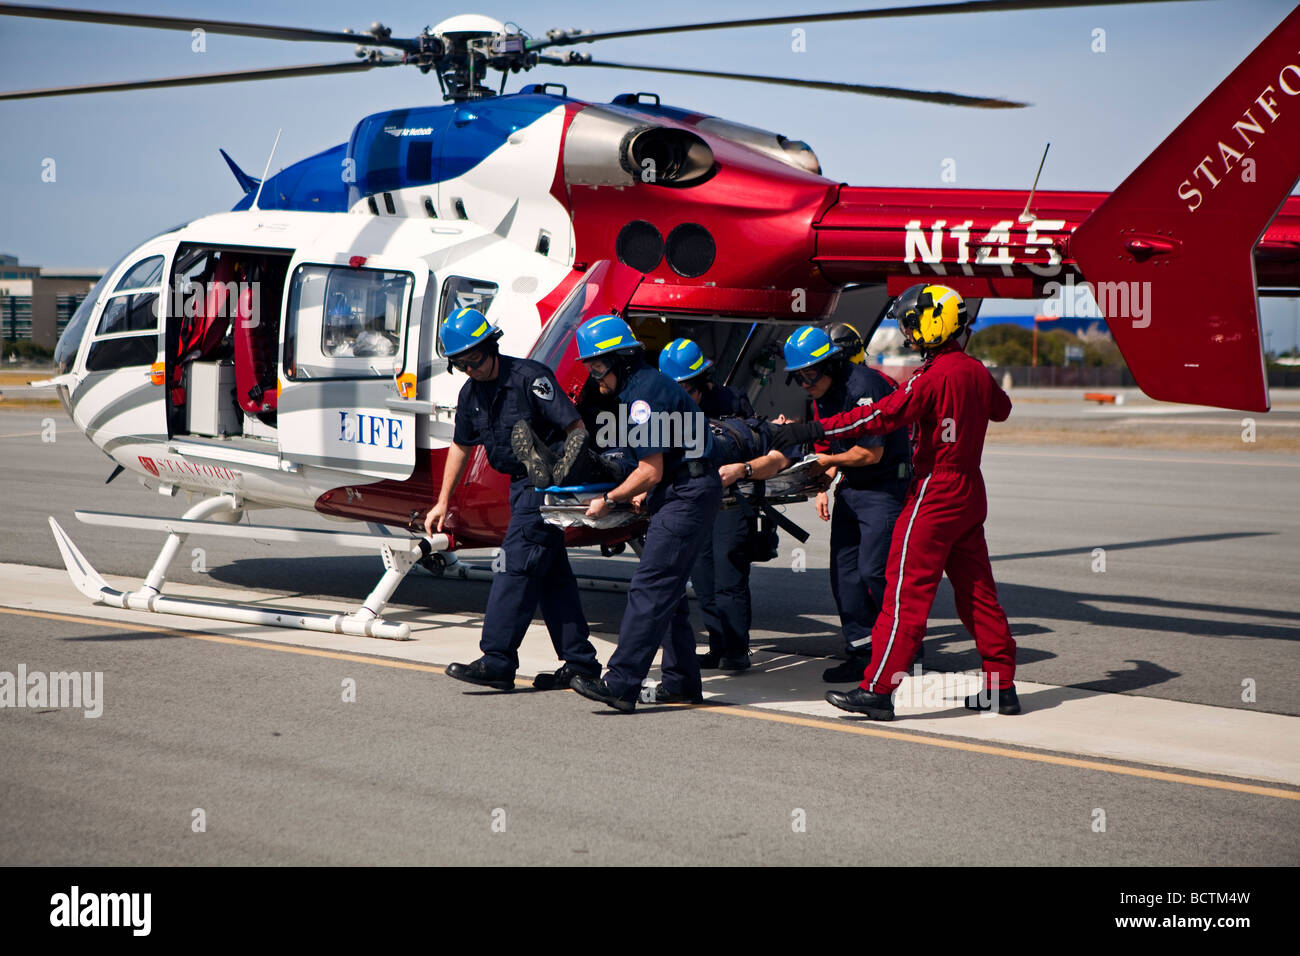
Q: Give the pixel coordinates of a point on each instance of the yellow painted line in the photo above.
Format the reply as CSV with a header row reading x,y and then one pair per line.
x,y
21,435
733,710
989,450
1015,754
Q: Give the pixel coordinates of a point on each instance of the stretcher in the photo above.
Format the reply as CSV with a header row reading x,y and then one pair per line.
x,y
799,482
566,507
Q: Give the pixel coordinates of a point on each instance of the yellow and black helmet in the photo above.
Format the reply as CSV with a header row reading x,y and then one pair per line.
x,y
928,315
849,340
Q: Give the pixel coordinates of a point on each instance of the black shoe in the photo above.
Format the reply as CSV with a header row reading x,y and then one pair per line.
x,y
875,706
593,688
534,456
574,443
1007,698
478,673
665,696
558,680
737,664
849,672
708,662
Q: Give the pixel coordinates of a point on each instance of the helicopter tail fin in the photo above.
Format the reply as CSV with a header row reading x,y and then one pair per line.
x,y
1170,253
246,182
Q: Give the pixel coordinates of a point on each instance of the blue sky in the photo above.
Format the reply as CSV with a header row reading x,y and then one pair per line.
x,y
132,164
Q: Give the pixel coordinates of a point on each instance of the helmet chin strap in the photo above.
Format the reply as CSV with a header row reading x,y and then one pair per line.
x,y
621,367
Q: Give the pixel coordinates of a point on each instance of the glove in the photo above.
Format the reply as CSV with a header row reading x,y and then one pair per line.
x,y
797,433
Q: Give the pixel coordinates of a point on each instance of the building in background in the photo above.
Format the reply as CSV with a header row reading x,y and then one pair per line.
x,y
36,303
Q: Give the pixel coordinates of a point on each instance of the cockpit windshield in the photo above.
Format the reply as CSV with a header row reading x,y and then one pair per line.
x,y
65,353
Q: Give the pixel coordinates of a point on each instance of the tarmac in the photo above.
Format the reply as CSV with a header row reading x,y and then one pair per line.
x,y
1151,592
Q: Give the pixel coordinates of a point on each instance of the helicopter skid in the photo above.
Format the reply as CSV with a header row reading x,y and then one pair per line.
x,y
399,555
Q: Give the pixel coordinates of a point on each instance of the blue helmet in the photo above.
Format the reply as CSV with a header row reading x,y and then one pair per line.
x,y
806,346
604,334
467,329
682,360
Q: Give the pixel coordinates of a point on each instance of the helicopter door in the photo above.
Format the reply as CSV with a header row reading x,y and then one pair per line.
x,y
122,396
349,331
607,288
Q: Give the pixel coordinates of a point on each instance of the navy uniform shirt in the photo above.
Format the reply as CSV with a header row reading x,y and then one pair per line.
x,y
646,395
862,386
486,412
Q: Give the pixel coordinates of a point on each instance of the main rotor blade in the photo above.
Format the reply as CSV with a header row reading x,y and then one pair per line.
x,y
188,24
891,92
238,76
933,9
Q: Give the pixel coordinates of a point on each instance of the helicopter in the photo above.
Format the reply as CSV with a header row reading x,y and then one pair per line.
x,y
285,354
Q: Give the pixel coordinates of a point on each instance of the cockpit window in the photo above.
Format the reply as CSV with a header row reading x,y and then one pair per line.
x,y
459,292
145,274
130,313
70,341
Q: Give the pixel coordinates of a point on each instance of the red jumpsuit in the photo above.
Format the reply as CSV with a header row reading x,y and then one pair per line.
x,y
951,399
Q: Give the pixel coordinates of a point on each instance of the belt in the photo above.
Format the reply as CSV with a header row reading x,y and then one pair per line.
x,y
692,468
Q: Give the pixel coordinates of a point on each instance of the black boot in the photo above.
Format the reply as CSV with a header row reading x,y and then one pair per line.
x,y
875,706
479,672
532,454
1006,699
575,444
593,688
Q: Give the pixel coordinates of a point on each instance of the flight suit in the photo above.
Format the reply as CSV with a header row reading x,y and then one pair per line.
x,y
950,400
868,500
536,565
682,507
721,570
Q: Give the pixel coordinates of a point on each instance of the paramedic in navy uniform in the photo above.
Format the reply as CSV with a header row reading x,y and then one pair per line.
x,y
502,394
721,571
681,494
875,474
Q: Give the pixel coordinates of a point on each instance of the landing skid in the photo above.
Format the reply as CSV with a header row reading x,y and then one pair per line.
x,y
400,554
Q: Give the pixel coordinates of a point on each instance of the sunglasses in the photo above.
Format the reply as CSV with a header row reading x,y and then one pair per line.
x,y
597,371
466,362
808,376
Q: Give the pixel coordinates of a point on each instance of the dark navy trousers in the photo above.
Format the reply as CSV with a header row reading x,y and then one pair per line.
x,y
536,571
721,579
657,611
862,524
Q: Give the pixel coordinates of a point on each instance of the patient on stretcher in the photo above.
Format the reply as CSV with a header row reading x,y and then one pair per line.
x,y
736,440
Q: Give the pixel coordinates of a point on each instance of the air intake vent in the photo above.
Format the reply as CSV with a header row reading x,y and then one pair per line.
x,y
666,157
691,250
640,245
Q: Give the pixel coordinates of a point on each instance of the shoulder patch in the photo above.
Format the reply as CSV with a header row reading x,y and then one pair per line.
x,y
543,389
865,400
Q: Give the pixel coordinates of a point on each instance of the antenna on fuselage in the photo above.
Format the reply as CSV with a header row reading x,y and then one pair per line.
x,y
267,168
1028,216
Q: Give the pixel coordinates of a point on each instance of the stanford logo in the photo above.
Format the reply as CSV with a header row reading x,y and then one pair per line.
x,y
149,465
